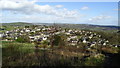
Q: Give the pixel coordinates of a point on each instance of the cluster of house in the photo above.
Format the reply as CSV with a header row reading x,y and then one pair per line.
x,y
40,33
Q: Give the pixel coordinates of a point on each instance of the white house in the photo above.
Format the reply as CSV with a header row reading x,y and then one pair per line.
x,y
92,45
90,37
21,31
44,38
104,44
67,33
84,41
1,35
27,30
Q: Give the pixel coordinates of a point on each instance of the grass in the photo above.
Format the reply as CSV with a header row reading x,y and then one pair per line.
x,y
96,60
13,52
25,54
110,49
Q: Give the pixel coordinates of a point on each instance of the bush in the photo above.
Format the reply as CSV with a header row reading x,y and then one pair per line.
x,y
96,60
23,39
58,40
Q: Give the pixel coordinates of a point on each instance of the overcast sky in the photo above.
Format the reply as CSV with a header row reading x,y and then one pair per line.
x,y
98,13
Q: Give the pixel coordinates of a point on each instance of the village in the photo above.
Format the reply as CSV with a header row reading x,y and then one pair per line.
x,y
70,44
43,33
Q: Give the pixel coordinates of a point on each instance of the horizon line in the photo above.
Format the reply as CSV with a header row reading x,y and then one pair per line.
x,y
62,23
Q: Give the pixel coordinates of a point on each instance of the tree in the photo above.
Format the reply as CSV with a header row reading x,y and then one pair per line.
x,y
23,39
45,43
26,26
58,40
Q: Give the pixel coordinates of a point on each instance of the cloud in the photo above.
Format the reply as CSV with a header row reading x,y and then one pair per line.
x,y
29,11
103,20
59,6
85,8
22,6
99,18
30,7
116,9
78,0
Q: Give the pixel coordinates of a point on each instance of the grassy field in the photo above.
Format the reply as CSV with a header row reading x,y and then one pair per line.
x,y
25,54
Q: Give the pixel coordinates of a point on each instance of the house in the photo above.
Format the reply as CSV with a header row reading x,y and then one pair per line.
x,y
104,43
38,29
63,31
73,44
107,41
44,38
70,31
84,41
68,39
27,30
1,35
78,46
32,38
116,45
99,36
7,32
16,37
67,33
21,31
57,33
93,44
33,31
73,37
83,31
90,37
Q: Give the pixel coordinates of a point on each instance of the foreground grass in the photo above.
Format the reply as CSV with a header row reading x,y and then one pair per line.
x,y
24,54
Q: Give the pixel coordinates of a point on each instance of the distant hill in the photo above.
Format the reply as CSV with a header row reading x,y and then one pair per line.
x,y
74,26
17,24
91,27
116,27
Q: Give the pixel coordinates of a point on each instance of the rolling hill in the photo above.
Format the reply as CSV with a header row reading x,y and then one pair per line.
x,y
73,26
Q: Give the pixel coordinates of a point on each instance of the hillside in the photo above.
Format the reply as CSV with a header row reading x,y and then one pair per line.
x,y
74,26
17,24
90,27
85,26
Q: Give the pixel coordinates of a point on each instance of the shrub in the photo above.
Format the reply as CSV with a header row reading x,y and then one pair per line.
x,y
23,39
96,60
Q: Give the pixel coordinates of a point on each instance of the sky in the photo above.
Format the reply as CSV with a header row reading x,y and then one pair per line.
x,y
73,12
